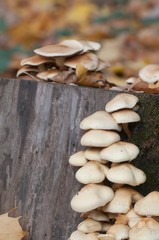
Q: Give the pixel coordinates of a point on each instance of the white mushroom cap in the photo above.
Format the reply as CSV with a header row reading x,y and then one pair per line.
x,y
95,45
106,237
73,44
133,218
119,231
78,159
90,225
48,74
89,60
79,235
149,205
59,50
121,101
99,138
96,215
35,60
99,120
126,116
121,202
94,155
120,152
91,197
149,73
92,172
145,229
127,174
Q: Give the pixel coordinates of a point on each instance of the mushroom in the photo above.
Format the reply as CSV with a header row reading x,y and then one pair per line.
x,y
79,235
145,229
133,218
37,61
121,101
122,200
96,215
126,116
94,155
126,174
60,51
26,70
78,159
105,237
119,231
149,205
89,60
99,138
92,172
120,152
99,120
48,74
150,73
90,225
91,197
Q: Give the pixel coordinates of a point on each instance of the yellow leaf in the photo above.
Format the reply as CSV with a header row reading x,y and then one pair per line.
x,y
80,13
154,85
81,72
10,228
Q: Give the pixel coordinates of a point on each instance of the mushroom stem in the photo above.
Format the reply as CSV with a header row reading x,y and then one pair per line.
x,y
60,63
126,129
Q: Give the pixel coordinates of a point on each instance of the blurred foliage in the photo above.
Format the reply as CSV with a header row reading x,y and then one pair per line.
x,y
121,26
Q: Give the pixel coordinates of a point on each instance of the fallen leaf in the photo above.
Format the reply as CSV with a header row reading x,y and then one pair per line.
x,y
10,228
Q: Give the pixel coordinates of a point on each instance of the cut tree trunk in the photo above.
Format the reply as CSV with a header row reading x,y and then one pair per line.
x,y
39,130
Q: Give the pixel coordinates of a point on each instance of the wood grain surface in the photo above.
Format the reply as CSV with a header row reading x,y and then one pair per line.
x,y
39,130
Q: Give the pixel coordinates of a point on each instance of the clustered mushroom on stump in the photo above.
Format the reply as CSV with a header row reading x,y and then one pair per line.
x,y
59,62
117,211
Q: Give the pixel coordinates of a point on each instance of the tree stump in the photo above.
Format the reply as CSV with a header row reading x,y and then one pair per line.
x,y
39,126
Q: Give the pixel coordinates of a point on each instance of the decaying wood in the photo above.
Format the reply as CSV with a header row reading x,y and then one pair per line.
x,y
39,130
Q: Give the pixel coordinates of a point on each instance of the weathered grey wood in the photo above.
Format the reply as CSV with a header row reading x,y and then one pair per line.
x,y
39,130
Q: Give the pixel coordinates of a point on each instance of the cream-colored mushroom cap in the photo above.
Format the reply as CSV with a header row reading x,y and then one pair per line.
x,y
149,205
122,201
92,172
120,152
126,116
106,237
149,73
59,50
91,197
102,65
145,229
26,70
89,60
90,225
79,235
48,74
96,215
133,218
78,159
99,120
99,138
119,231
121,101
35,60
127,174
94,154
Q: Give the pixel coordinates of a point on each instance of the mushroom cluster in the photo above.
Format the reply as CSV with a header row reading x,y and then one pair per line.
x,y
58,63
112,209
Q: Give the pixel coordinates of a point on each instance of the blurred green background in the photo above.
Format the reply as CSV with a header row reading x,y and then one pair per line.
x,y
127,29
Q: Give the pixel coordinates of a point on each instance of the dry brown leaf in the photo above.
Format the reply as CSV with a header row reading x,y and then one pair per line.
x,y
68,76
142,86
121,219
10,228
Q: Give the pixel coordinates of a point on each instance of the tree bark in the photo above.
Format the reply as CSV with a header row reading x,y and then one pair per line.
x,y
39,131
